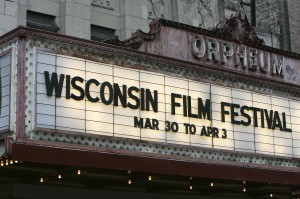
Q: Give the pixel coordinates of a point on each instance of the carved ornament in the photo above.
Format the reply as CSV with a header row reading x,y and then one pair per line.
x,y
107,4
238,29
139,36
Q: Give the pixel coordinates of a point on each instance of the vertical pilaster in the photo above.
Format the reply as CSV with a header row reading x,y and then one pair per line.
x,y
133,16
20,107
76,18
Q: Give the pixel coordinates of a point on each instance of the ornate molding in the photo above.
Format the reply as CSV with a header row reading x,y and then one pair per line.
x,y
238,29
107,4
139,36
134,42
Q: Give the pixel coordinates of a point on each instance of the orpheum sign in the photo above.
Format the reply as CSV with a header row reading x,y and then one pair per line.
x,y
240,56
232,46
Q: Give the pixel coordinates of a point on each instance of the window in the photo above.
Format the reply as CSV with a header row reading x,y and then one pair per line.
x,y
99,33
41,21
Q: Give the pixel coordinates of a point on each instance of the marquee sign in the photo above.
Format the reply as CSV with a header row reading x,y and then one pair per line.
x,y
88,97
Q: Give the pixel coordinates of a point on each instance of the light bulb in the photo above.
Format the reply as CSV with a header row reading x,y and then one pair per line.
x,y
150,178
129,172
271,195
42,180
78,172
191,187
59,176
129,181
244,189
211,184
11,162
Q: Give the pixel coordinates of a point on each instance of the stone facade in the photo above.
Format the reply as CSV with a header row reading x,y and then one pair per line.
x,y
268,15
293,7
276,20
9,16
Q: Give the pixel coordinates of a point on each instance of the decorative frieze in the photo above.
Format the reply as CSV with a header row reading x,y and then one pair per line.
x,y
107,4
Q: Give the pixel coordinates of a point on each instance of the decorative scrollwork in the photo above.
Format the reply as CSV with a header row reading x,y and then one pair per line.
x,y
238,29
139,36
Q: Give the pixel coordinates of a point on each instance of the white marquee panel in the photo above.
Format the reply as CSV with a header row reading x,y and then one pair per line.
x,y
5,71
97,118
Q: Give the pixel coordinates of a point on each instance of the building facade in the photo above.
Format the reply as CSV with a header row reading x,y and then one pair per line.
x,y
188,101
275,20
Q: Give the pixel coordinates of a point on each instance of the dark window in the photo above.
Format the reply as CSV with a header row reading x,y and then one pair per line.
x,y
41,21
99,33
249,7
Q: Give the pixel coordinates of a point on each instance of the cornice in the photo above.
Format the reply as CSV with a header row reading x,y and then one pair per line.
x,y
215,71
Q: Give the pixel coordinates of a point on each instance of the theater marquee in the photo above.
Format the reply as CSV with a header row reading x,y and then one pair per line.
x,y
88,97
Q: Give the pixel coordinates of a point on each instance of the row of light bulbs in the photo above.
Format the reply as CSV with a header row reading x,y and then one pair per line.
x,y
60,176
150,178
10,162
191,186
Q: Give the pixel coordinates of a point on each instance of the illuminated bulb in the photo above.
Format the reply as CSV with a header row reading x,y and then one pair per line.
x,y
150,178
78,172
271,195
16,161
11,162
211,184
244,182
6,163
42,180
2,164
129,172
244,189
191,187
129,181
59,176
